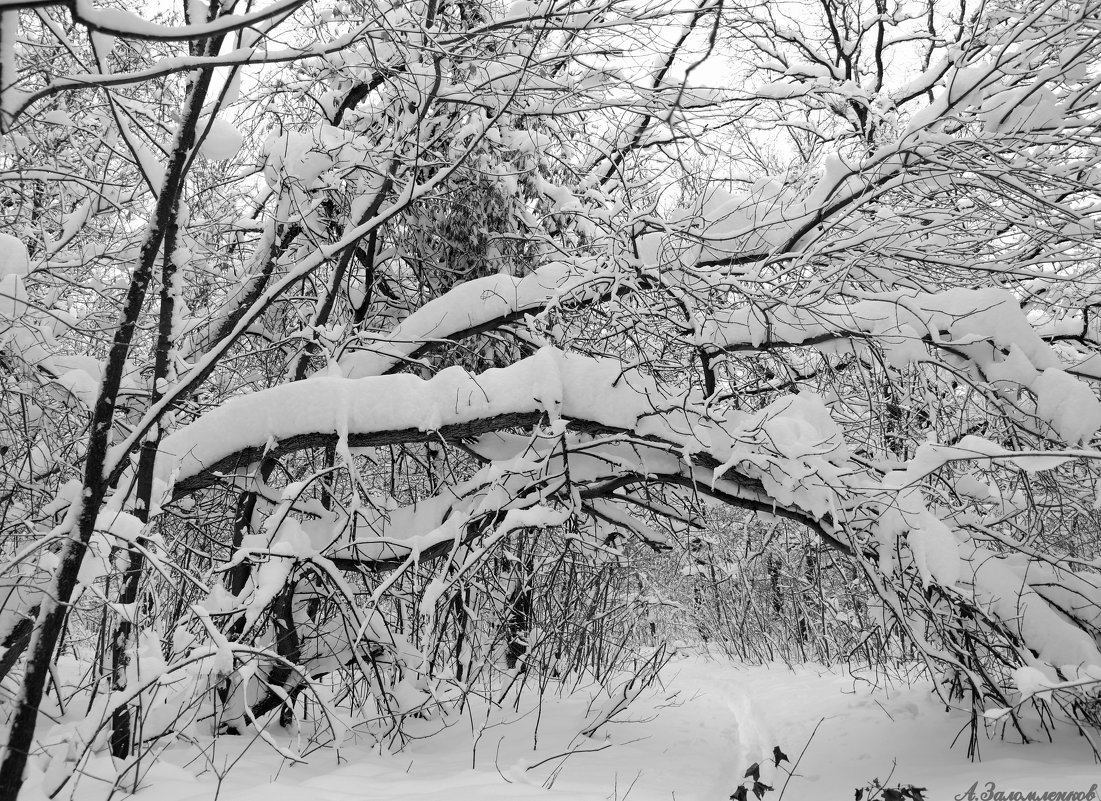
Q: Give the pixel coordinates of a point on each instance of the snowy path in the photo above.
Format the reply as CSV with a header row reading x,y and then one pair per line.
x,y
689,741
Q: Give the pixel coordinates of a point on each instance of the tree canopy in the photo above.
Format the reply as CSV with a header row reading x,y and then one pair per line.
x,y
346,347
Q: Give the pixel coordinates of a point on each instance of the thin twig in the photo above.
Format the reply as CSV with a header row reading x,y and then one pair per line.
x,y
799,759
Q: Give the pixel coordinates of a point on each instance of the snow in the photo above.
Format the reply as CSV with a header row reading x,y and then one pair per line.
x,y
1069,405
402,402
936,551
967,316
296,156
1030,681
467,306
303,158
998,587
932,456
13,257
802,260
13,299
121,525
690,737
10,98
801,424
153,167
81,385
120,21
222,141
1015,368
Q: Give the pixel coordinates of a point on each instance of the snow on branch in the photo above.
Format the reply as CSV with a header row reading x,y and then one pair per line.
x,y
470,308
120,22
985,326
397,408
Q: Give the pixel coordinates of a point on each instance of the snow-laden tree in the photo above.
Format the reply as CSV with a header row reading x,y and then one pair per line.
x,y
348,347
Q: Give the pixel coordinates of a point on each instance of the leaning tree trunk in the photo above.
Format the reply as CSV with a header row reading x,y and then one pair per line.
x,y
85,510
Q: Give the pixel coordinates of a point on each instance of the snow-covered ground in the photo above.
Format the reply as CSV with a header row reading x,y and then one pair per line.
x,y
691,739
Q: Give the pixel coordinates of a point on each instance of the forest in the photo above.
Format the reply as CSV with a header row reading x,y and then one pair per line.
x,y
363,361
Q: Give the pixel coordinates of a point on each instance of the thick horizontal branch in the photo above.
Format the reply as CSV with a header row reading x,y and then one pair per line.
x,y
240,459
